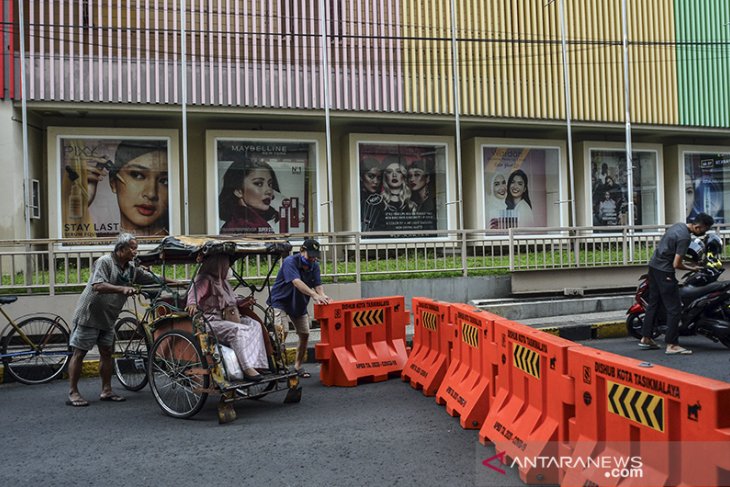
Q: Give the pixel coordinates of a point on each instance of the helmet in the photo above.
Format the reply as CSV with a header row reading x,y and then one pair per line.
x,y
696,250
714,245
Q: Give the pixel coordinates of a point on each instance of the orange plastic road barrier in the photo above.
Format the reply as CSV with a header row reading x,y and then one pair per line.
x,y
662,426
534,396
465,389
432,341
360,339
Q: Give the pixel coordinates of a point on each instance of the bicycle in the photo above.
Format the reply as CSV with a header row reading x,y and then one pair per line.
x,y
35,349
133,335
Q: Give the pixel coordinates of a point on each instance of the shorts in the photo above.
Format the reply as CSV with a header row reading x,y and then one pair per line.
x,y
85,337
301,324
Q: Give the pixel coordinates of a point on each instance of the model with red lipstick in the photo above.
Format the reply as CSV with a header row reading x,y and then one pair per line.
x,y
244,203
139,178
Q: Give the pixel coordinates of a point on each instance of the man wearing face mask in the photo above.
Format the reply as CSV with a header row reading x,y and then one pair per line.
x,y
297,281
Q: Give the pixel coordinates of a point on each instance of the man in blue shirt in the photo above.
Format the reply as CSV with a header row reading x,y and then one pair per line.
x,y
298,280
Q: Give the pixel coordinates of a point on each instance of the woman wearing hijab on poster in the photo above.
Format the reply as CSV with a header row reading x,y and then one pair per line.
x,y
212,294
244,203
518,198
139,178
496,203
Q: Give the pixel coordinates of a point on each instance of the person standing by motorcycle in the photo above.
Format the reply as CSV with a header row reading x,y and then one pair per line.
x,y
663,285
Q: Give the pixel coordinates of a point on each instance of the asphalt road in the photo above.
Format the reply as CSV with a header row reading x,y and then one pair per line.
x,y
708,359
375,434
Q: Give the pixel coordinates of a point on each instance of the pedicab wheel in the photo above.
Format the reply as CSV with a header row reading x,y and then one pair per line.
x,y
178,374
131,353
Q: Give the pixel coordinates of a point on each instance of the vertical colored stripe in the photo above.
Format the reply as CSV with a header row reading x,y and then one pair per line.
x,y
703,62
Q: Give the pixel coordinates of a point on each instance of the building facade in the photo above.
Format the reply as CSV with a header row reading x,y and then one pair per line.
x,y
373,116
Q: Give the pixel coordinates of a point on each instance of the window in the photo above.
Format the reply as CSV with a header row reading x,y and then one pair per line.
x,y
35,199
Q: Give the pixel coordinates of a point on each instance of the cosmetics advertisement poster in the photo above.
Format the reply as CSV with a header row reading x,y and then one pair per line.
x,y
515,179
263,186
402,187
114,185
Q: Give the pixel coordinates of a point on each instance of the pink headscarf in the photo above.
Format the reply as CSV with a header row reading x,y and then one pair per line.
x,y
217,292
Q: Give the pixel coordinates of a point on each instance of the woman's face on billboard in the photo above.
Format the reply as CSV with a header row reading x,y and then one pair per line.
x,y
258,189
141,186
499,186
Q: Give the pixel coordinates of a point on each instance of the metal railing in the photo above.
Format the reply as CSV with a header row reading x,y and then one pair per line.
x,y
55,266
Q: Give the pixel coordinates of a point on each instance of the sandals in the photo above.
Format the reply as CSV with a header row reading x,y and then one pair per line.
x,y
112,398
678,351
77,403
303,373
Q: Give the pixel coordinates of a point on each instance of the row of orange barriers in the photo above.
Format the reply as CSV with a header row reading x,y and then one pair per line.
x,y
566,413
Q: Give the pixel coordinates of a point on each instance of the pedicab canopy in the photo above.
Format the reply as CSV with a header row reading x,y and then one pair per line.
x,y
184,249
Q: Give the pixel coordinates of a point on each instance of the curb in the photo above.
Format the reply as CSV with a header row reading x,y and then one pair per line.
x,y
610,329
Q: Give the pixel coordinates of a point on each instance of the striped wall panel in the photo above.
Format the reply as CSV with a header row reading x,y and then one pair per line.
x,y
595,59
652,62
385,56
243,53
427,56
703,62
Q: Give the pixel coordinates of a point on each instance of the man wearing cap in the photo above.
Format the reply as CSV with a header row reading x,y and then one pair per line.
x,y
298,280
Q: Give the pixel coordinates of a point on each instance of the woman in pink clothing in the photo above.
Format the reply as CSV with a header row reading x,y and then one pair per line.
x,y
212,293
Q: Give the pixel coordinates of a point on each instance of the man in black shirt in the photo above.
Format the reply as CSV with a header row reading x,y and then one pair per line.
x,y
663,285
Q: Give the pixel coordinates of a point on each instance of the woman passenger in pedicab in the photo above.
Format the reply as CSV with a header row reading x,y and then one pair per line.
x,y
213,294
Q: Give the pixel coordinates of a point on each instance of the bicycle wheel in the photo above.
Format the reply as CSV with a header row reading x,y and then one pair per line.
x,y
131,353
178,374
42,362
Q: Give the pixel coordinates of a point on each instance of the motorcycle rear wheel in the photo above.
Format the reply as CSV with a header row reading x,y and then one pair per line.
x,y
634,323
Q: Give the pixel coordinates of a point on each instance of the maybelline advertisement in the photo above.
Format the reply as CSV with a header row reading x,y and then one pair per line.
x,y
113,185
402,187
704,183
263,187
515,179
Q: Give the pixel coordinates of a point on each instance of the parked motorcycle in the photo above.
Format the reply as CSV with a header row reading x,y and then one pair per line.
x,y
705,301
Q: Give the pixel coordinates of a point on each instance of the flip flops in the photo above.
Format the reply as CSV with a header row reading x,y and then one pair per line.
x,y
112,398
303,374
77,403
648,346
678,351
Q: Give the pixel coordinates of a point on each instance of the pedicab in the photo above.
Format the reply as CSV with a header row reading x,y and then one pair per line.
x,y
186,361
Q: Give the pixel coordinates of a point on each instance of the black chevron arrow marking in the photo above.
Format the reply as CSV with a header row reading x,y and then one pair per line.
x,y
659,415
622,402
612,397
636,405
633,403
